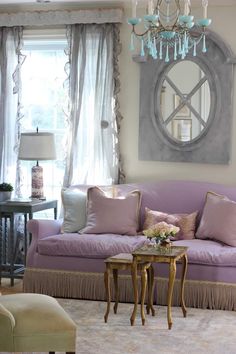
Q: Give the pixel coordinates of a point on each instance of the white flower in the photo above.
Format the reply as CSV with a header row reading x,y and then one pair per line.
x,y
161,231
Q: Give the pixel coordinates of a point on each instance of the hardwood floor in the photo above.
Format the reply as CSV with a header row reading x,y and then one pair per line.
x,y
6,288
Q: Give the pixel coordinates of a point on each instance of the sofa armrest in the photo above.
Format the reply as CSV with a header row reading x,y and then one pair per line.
x,y
43,228
40,229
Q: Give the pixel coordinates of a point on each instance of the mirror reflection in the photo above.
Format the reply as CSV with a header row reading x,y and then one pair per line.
x,y
185,101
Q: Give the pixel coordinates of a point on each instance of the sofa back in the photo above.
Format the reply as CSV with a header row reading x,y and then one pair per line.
x,y
176,196
173,196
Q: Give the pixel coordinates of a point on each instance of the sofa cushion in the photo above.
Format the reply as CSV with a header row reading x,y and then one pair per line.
x,y
218,221
186,222
209,252
112,215
90,245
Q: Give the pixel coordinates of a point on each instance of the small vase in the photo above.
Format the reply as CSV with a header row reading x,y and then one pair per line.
x,y
165,243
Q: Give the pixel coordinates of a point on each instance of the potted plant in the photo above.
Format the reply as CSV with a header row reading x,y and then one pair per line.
x,y
5,191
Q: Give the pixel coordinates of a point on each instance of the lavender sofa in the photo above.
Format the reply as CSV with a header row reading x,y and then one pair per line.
x,y
72,265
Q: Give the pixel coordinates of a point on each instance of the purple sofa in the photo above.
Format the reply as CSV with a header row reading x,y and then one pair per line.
x,y
72,265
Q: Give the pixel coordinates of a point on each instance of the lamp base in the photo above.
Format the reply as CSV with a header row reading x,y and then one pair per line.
x,y
37,182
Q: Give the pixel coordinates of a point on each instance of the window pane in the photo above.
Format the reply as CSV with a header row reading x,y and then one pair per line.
x,y
43,97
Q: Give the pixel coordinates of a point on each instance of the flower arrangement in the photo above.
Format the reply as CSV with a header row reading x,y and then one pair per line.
x,y
161,232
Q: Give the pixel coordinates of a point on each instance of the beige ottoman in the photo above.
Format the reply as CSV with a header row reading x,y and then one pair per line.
x,y
35,323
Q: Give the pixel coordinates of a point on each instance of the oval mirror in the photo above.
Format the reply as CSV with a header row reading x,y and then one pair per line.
x,y
185,101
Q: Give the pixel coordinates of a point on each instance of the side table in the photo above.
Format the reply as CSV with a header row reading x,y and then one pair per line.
x,y
160,254
124,261
8,210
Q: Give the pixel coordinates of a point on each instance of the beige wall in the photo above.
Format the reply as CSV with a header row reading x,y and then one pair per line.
x,y
136,170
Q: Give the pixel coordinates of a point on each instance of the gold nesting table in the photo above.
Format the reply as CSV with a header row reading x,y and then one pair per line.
x,y
141,261
124,261
160,254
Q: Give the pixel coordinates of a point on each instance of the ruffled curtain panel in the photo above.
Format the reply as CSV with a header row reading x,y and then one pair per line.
x,y
92,142
10,90
92,151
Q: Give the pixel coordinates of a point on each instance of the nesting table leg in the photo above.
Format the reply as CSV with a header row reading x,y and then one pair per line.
x,y
108,291
150,274
184,271
143,291
172,274
115,277
135,289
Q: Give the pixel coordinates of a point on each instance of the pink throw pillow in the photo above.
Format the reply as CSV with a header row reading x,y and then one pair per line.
x,y
218,221
112,215
186,222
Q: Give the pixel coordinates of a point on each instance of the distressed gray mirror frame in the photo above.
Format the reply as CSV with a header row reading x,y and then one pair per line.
x,y
158,120
213,144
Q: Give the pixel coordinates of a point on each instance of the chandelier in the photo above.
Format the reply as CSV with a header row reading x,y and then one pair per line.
x,y
168,31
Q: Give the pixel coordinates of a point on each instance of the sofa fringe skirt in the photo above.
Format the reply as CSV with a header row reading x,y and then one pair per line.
x,y
90,286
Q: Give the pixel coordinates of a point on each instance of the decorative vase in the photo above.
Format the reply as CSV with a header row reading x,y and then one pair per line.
x,y
165,243
4,196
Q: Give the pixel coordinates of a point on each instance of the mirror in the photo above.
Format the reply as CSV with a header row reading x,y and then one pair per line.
x,y
185,101
186,106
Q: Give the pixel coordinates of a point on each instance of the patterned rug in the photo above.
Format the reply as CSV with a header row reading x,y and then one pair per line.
x,y
202,331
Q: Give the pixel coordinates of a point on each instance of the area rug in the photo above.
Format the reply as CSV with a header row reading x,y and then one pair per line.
x,y
202,331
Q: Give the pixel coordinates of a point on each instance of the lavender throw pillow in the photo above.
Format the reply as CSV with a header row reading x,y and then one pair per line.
x,y
186,222
112,215
74,202
218,221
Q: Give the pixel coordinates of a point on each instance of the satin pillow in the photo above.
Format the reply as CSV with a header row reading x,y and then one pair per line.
x,y
186,222
74,209
112,215
218,221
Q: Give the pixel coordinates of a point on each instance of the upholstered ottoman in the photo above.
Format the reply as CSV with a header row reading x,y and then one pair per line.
x,y
35,323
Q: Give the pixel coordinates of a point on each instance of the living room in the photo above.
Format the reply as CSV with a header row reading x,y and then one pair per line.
x,y
172,143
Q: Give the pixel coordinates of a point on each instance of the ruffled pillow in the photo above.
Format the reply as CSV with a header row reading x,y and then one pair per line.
x,y
112,215
186,222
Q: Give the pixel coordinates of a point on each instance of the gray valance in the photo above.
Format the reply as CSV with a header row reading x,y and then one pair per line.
x,y
44,18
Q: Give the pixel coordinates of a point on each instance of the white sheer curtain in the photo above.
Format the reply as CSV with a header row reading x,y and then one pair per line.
x,y
92,140
10,61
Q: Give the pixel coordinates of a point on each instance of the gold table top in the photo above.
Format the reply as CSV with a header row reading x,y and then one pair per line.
x,y
154,251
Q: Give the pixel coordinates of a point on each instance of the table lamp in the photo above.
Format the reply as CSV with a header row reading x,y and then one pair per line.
x,y
37,146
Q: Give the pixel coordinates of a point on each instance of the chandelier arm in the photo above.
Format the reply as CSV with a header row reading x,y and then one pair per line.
x,y
139,34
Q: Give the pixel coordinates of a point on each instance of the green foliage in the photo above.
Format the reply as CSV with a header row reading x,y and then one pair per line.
x,y
6,187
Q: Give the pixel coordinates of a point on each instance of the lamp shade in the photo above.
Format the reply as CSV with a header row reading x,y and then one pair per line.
x,y
37,146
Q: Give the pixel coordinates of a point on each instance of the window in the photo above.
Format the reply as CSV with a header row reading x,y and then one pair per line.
x,y
43,103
